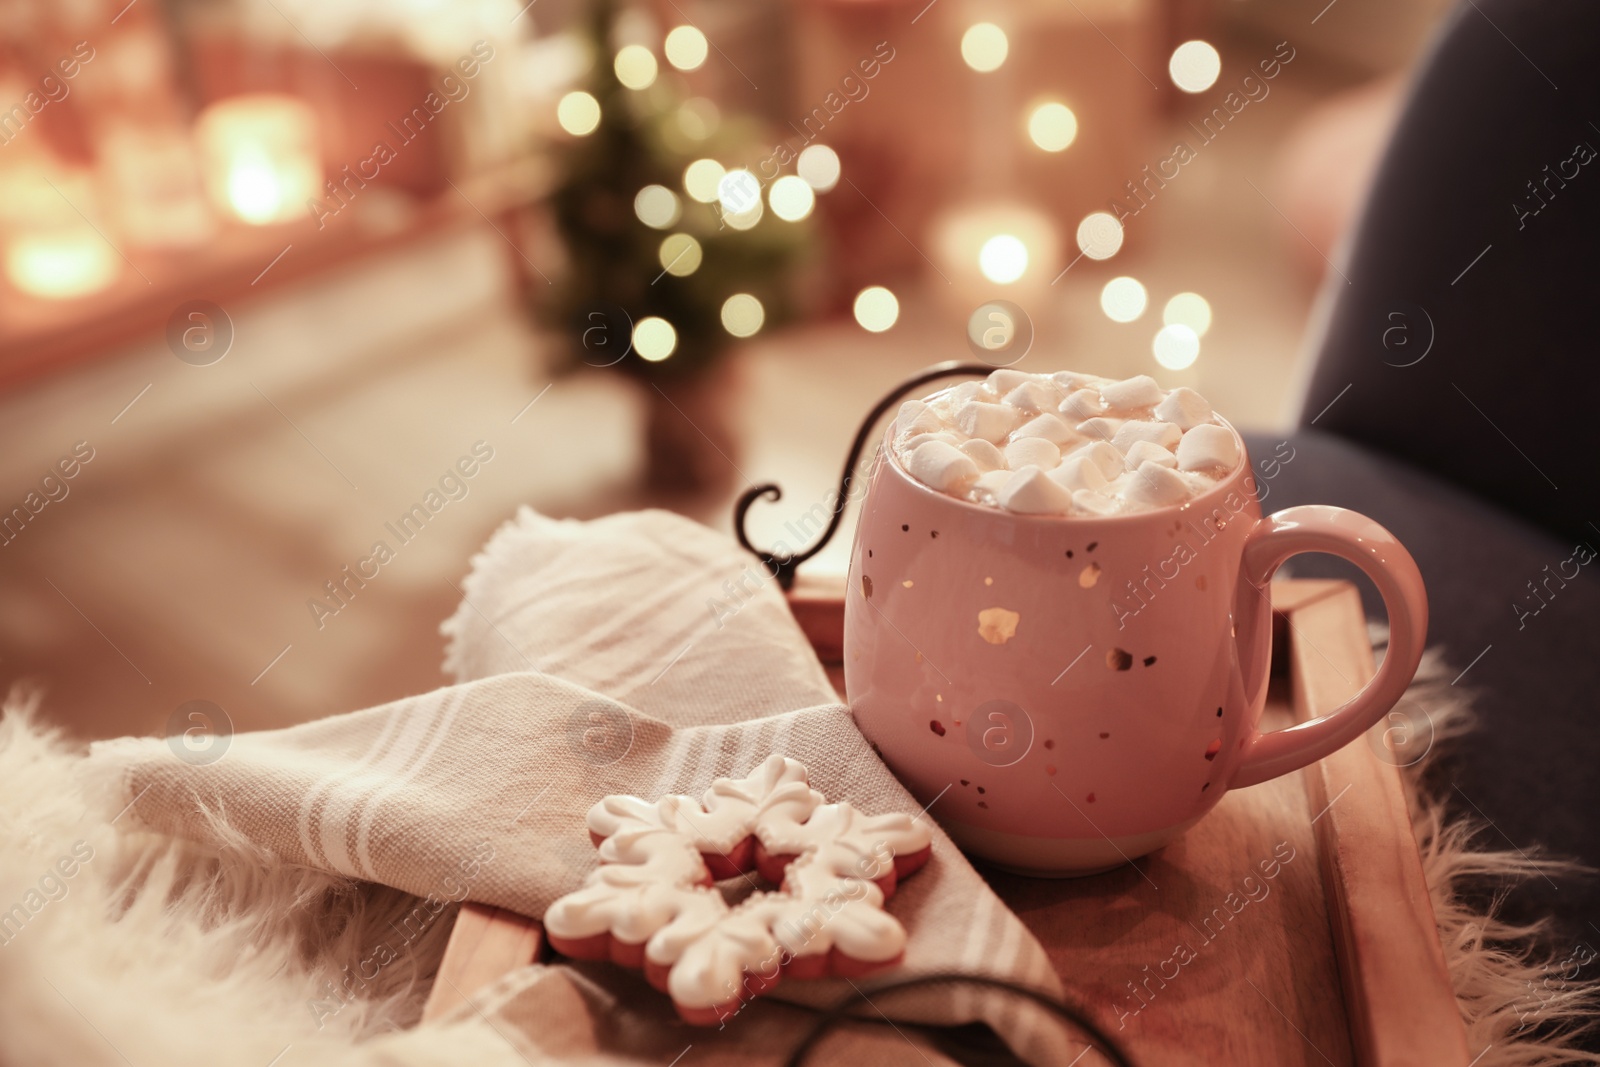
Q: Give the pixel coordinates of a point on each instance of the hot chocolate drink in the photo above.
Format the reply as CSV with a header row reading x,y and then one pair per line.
x,y
1065,443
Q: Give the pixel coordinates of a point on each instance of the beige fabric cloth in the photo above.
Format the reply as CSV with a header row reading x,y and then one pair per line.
x,y
639,653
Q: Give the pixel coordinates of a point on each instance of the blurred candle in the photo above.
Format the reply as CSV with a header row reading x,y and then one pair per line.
x,y
52,251
260,157
61,264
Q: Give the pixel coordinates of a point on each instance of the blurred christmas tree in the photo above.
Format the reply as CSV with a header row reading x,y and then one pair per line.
x,y
671,255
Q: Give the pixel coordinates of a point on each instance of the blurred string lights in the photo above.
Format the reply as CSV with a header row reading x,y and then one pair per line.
x,y
1052,126
1185,319
1003,258
739,198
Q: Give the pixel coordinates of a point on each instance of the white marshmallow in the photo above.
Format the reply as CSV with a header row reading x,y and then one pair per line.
x,y
1005,379
1082,404
1140,391
916,441
1032,452
989,484
1048,427
984,454
1164,434
1153,486
922,419
1072,379
1033,397
1092,502
1102,455
1150,452
1079,472
1184,407
990,422
1031,492
1208,446
943,467
967,392
1100,429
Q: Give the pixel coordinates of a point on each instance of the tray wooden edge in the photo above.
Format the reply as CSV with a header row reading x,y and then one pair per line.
x,y
1398,997
485,943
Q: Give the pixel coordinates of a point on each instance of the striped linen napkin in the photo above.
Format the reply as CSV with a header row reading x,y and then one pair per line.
x,y
639,653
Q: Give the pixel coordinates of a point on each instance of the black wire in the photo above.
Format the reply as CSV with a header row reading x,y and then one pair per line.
x,y
782,565
841,1012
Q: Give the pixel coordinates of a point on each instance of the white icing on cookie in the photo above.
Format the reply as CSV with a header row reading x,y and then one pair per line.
x,y
653,886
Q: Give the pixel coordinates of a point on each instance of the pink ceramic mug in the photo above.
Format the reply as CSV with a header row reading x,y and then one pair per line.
x,y
1077,691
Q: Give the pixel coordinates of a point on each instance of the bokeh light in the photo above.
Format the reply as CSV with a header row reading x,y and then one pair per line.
x,y
791,198
742,315
654,339
984,47
744,220
1123,299
636,66
1176,347
819,166
1194,66
1099,235
1052,126
1003,258
738,191
685,48
578,113
680,255
61,265
1188,309
701,178
657,206
876,309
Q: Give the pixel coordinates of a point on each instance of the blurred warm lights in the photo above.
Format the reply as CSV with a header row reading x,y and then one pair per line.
x,y
654,339
680,255
876,309
1188,309
1194,66
819,166
702,178
1123,299
984,47
791,198
1052,126
636,67
744,220
686,48
742,315
578,113
739,194
1003,258
657,206
738,191
1099,235
61,264
1176,346
262,160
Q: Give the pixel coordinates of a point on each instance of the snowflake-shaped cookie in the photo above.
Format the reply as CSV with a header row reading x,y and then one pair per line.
x,y
652,901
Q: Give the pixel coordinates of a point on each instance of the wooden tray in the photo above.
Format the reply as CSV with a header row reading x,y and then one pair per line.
x,y
1194,955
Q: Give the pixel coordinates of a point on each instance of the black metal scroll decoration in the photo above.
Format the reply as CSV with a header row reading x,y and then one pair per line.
x,y
782,565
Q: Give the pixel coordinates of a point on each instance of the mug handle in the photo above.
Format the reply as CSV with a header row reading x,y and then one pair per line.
x,y
1352,536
